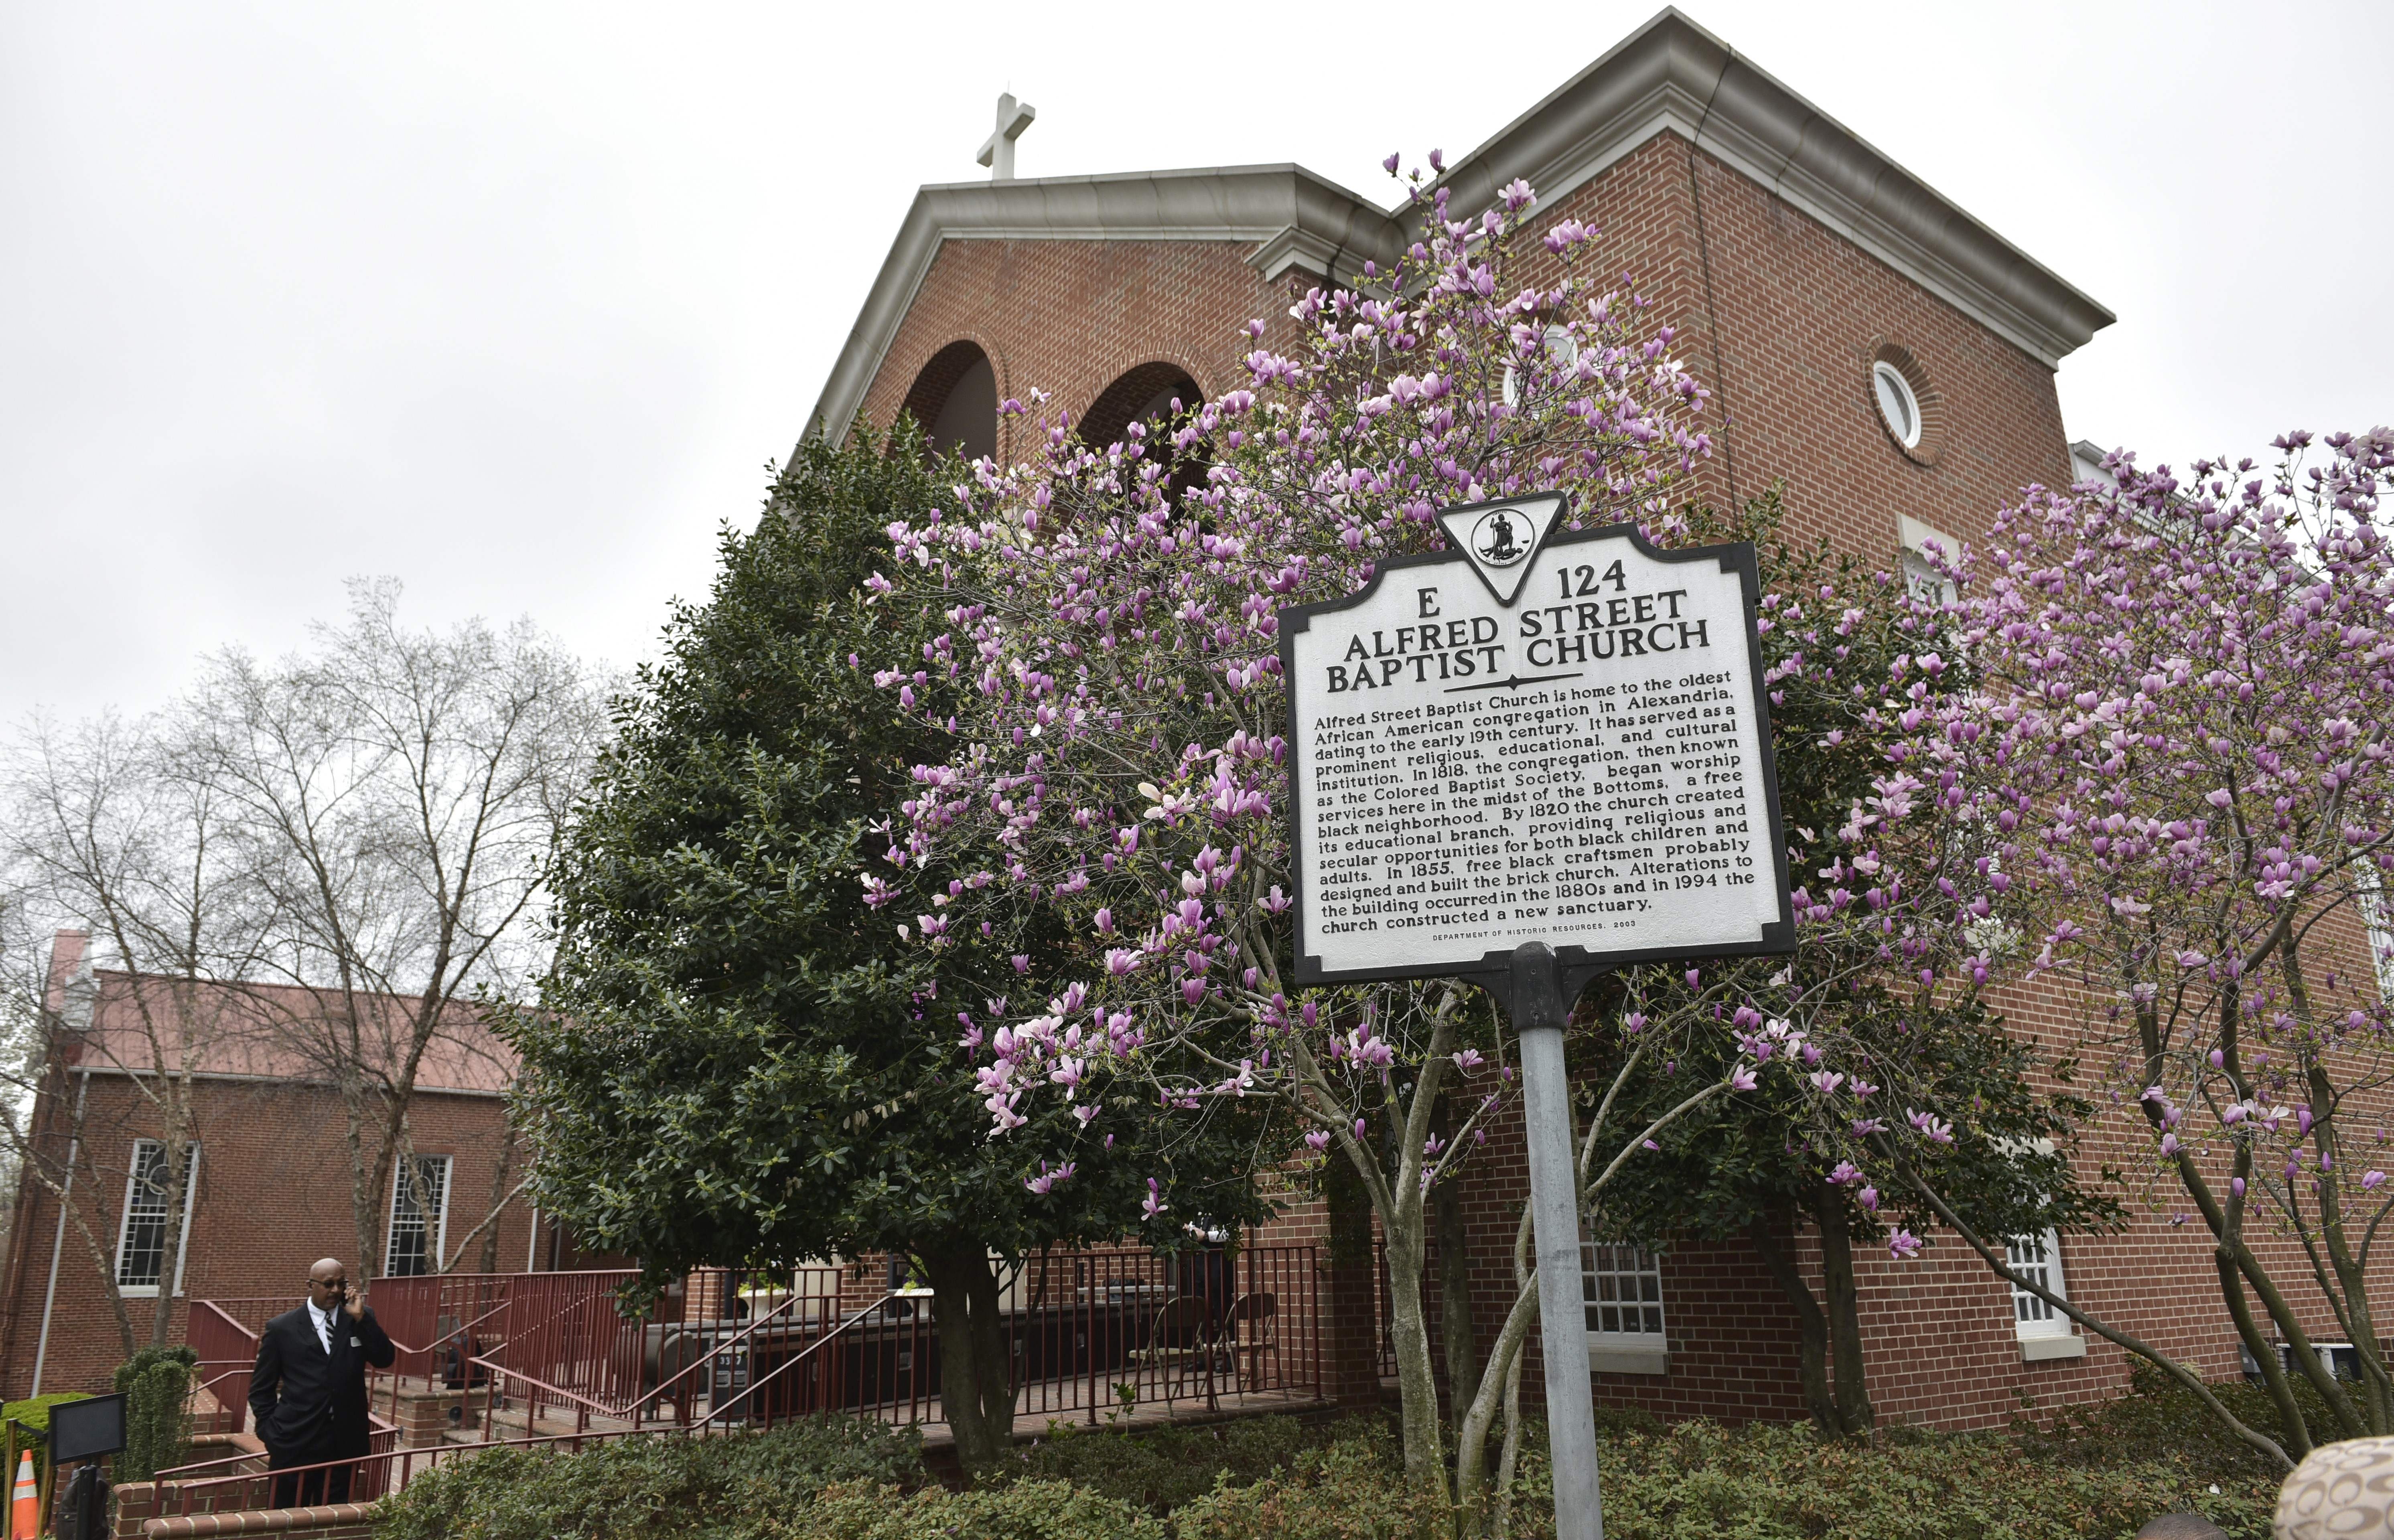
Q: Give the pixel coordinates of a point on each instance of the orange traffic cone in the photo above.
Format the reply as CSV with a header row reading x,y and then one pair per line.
x,y
25,1510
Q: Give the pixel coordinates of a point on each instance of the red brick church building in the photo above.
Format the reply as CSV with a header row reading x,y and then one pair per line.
x,y
1869,344
269,1189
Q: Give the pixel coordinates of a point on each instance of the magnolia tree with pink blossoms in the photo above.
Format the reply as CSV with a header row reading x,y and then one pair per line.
x,y
1119,757
1119,768
2168,793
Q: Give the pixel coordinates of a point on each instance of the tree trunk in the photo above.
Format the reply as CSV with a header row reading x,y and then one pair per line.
x,y
178,1181
1457,1328
1416,1375
1811,1326
1510,1454
2264,1355
490,1260
976,1383
1854,1412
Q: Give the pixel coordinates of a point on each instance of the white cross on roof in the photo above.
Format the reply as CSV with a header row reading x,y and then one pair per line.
x,y
998,150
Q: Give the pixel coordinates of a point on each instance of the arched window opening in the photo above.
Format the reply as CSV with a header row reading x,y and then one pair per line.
x,y
1146,394
955,399
1141,395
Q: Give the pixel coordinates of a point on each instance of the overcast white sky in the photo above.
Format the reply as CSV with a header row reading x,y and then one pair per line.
x,y
515,303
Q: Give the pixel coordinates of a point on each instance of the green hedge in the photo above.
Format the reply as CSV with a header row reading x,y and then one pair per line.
x,y
35,1415
1697,1481
1702,1480
648,1485
1018,1510
1168,1467
2093,1475
1765,1483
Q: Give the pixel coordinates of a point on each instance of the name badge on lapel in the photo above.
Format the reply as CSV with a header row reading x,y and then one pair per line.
x,y
355,1343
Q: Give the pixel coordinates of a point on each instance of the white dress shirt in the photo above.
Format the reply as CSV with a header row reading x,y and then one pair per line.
x,y
323,1320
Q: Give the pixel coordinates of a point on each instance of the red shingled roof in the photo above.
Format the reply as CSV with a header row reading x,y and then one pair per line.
x,y
257,1028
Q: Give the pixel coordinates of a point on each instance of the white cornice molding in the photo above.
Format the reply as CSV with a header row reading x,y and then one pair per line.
x,y
1294,219
1673,75
239,1077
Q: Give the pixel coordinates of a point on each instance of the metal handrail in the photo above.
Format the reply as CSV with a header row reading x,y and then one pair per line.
x,y
664,1388
562,1394
742,1336
187,1490
561,1358
211,1465
795,1359
376,1425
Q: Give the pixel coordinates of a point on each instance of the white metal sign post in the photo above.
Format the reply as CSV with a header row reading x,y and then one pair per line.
x,y
1524,760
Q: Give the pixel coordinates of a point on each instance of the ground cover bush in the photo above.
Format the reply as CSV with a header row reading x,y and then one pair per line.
x,y
1768,1481
1012,1510
650,1486
2095,1472
1166,1469
2161,1420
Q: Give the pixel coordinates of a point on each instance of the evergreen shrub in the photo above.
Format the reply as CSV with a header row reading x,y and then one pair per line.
x,y
1017,1510
1161,1469
156,1385
2103,1473
651,1485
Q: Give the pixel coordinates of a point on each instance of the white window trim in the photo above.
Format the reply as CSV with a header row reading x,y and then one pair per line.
x,y
2378,933
183,1235
1916,538
2056,1337
1626,1352
2325,1352
437,1232
1883,373
1562,347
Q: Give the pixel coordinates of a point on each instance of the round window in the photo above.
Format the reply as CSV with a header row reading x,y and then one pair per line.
x,y
1562,347
1897,404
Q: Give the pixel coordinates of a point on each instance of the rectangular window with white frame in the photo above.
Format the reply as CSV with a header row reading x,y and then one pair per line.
x,y
141,1233
2379,933
419,1217
2044,1331
1925,547
1623,1286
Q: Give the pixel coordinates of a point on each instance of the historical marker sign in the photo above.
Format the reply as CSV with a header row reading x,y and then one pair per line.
x,y
1534,736
1522,759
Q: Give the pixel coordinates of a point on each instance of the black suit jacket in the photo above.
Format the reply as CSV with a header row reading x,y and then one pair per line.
x,y
310,1403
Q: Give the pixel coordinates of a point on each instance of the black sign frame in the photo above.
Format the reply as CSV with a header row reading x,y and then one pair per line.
x,y
1577,965
81,1429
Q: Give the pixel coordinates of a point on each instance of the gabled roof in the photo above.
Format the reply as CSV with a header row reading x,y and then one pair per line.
x,y
1670,75
1297,218
1673,75
258,1032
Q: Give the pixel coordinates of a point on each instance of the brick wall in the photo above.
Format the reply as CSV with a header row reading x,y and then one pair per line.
x,y
1782,318
272,1197
1071,317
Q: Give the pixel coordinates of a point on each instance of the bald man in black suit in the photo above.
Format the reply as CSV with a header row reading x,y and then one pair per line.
x,y
309,1389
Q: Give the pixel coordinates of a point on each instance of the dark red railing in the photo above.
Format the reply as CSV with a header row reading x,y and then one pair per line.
x,y
1086,1332
213,1486
548,1354
228,1352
